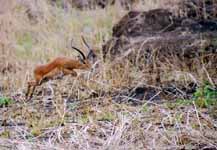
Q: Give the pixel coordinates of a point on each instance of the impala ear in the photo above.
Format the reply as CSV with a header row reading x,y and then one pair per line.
x,y
91,54
85,43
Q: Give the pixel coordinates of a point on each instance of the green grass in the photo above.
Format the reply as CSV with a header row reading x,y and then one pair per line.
x,y
206,96
4,101
106,116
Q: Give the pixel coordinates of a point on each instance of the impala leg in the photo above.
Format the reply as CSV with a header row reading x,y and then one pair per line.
x,y
28,90
50,75
68,71
73,73
30,97
30,85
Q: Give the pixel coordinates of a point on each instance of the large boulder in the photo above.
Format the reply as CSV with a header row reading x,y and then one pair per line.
x,y
161,41
137,23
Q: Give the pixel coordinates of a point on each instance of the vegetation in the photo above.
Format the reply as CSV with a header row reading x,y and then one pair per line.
x,y
91,111
4,101
206,96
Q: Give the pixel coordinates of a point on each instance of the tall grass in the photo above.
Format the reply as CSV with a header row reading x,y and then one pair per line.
x,y
33,32
63,113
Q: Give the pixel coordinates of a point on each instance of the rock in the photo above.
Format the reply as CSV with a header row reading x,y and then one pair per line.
x,y
160,41
149,23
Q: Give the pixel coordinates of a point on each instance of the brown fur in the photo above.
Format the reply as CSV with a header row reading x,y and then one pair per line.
x,y
59,66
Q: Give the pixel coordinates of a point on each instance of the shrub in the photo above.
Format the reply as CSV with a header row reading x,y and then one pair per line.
x,y
206,96
4,101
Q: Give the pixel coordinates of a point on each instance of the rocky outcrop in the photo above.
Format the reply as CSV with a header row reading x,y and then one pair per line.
x,y
137,23
160,41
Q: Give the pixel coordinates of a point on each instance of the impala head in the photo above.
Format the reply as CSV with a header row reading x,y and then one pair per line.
x,y
82,57
91,55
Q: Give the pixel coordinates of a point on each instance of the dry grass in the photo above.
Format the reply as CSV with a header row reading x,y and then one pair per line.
x,y
62,114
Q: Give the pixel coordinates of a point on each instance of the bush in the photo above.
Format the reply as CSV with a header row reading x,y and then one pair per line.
x,y
206,96
4,101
